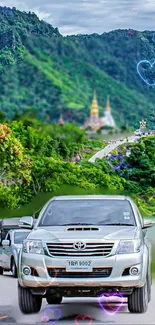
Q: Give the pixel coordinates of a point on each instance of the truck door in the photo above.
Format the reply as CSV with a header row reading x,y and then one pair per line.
x,y
6,253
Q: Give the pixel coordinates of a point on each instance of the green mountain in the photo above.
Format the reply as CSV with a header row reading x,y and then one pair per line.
x,y
42,70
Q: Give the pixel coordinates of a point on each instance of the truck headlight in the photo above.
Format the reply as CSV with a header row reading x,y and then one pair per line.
x,y
128,247
33,247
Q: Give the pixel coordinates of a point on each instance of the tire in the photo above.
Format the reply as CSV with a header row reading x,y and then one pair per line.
x,y
53,300
138,300
1,271
28,303
14,268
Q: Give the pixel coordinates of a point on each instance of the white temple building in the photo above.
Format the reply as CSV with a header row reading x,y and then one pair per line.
x,y
95,122
108,119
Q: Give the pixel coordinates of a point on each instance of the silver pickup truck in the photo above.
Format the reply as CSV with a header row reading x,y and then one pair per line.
x,y
86,246
9,249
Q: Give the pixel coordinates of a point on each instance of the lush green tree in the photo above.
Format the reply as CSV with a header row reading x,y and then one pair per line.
x,y
37,160
2,117
39,71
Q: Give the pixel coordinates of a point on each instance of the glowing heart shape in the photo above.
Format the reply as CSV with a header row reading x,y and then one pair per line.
x,y
45,319
107,296
135,10
51,311
140,74
43,274
115,158
83,318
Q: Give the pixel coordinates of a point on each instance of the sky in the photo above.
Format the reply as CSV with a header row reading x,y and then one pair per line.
x,y
89,16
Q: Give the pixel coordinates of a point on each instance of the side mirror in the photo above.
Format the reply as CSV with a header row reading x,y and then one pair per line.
x,y
26,222
5,242
148,223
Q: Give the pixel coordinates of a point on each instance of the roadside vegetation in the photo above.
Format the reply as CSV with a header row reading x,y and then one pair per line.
x,y
38,157
39,161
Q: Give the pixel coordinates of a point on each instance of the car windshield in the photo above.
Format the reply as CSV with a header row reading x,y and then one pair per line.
x,y
20,236
88,212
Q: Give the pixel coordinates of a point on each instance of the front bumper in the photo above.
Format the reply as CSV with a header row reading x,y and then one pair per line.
x,y
118,263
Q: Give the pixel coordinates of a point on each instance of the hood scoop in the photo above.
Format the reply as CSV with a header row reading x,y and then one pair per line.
x,y
84,228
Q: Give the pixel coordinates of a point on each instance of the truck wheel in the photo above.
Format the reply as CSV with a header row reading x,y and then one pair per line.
x,y
53,300
138,300
1,271
13,268
28,303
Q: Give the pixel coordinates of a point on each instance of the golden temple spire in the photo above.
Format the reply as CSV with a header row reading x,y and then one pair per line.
x,y
108,109
94,106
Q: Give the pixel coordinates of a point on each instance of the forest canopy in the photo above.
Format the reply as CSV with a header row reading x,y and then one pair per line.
x,y
52,74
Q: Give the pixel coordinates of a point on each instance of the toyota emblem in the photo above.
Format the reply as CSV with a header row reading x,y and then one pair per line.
x,y
79,245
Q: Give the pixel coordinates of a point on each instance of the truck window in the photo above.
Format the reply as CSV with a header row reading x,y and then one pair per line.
x,y
100,212
20,236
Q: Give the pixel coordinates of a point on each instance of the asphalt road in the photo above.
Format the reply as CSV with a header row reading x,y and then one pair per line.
x,y
67,313
104,152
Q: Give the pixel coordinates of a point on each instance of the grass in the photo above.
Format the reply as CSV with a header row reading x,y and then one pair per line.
x,y
87,155
153,261
41,198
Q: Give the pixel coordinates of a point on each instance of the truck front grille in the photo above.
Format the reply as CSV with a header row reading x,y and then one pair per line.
x,y
96,273
67,249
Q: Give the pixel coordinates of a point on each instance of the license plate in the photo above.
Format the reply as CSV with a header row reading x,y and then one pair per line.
x,y
76,265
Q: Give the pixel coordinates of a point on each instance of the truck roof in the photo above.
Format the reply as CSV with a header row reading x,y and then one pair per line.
x,y
9,223
91,197
20,230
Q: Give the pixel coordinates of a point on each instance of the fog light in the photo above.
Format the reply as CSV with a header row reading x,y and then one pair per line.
x,y
27,270
134,271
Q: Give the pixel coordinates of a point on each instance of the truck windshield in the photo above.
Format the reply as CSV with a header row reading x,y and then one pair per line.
x,y
20,236
91,212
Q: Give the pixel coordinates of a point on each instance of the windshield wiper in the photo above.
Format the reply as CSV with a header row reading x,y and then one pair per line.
x,y
117,224
78,224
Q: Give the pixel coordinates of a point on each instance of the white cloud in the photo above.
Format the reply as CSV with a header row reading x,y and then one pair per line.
x,y
91,16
